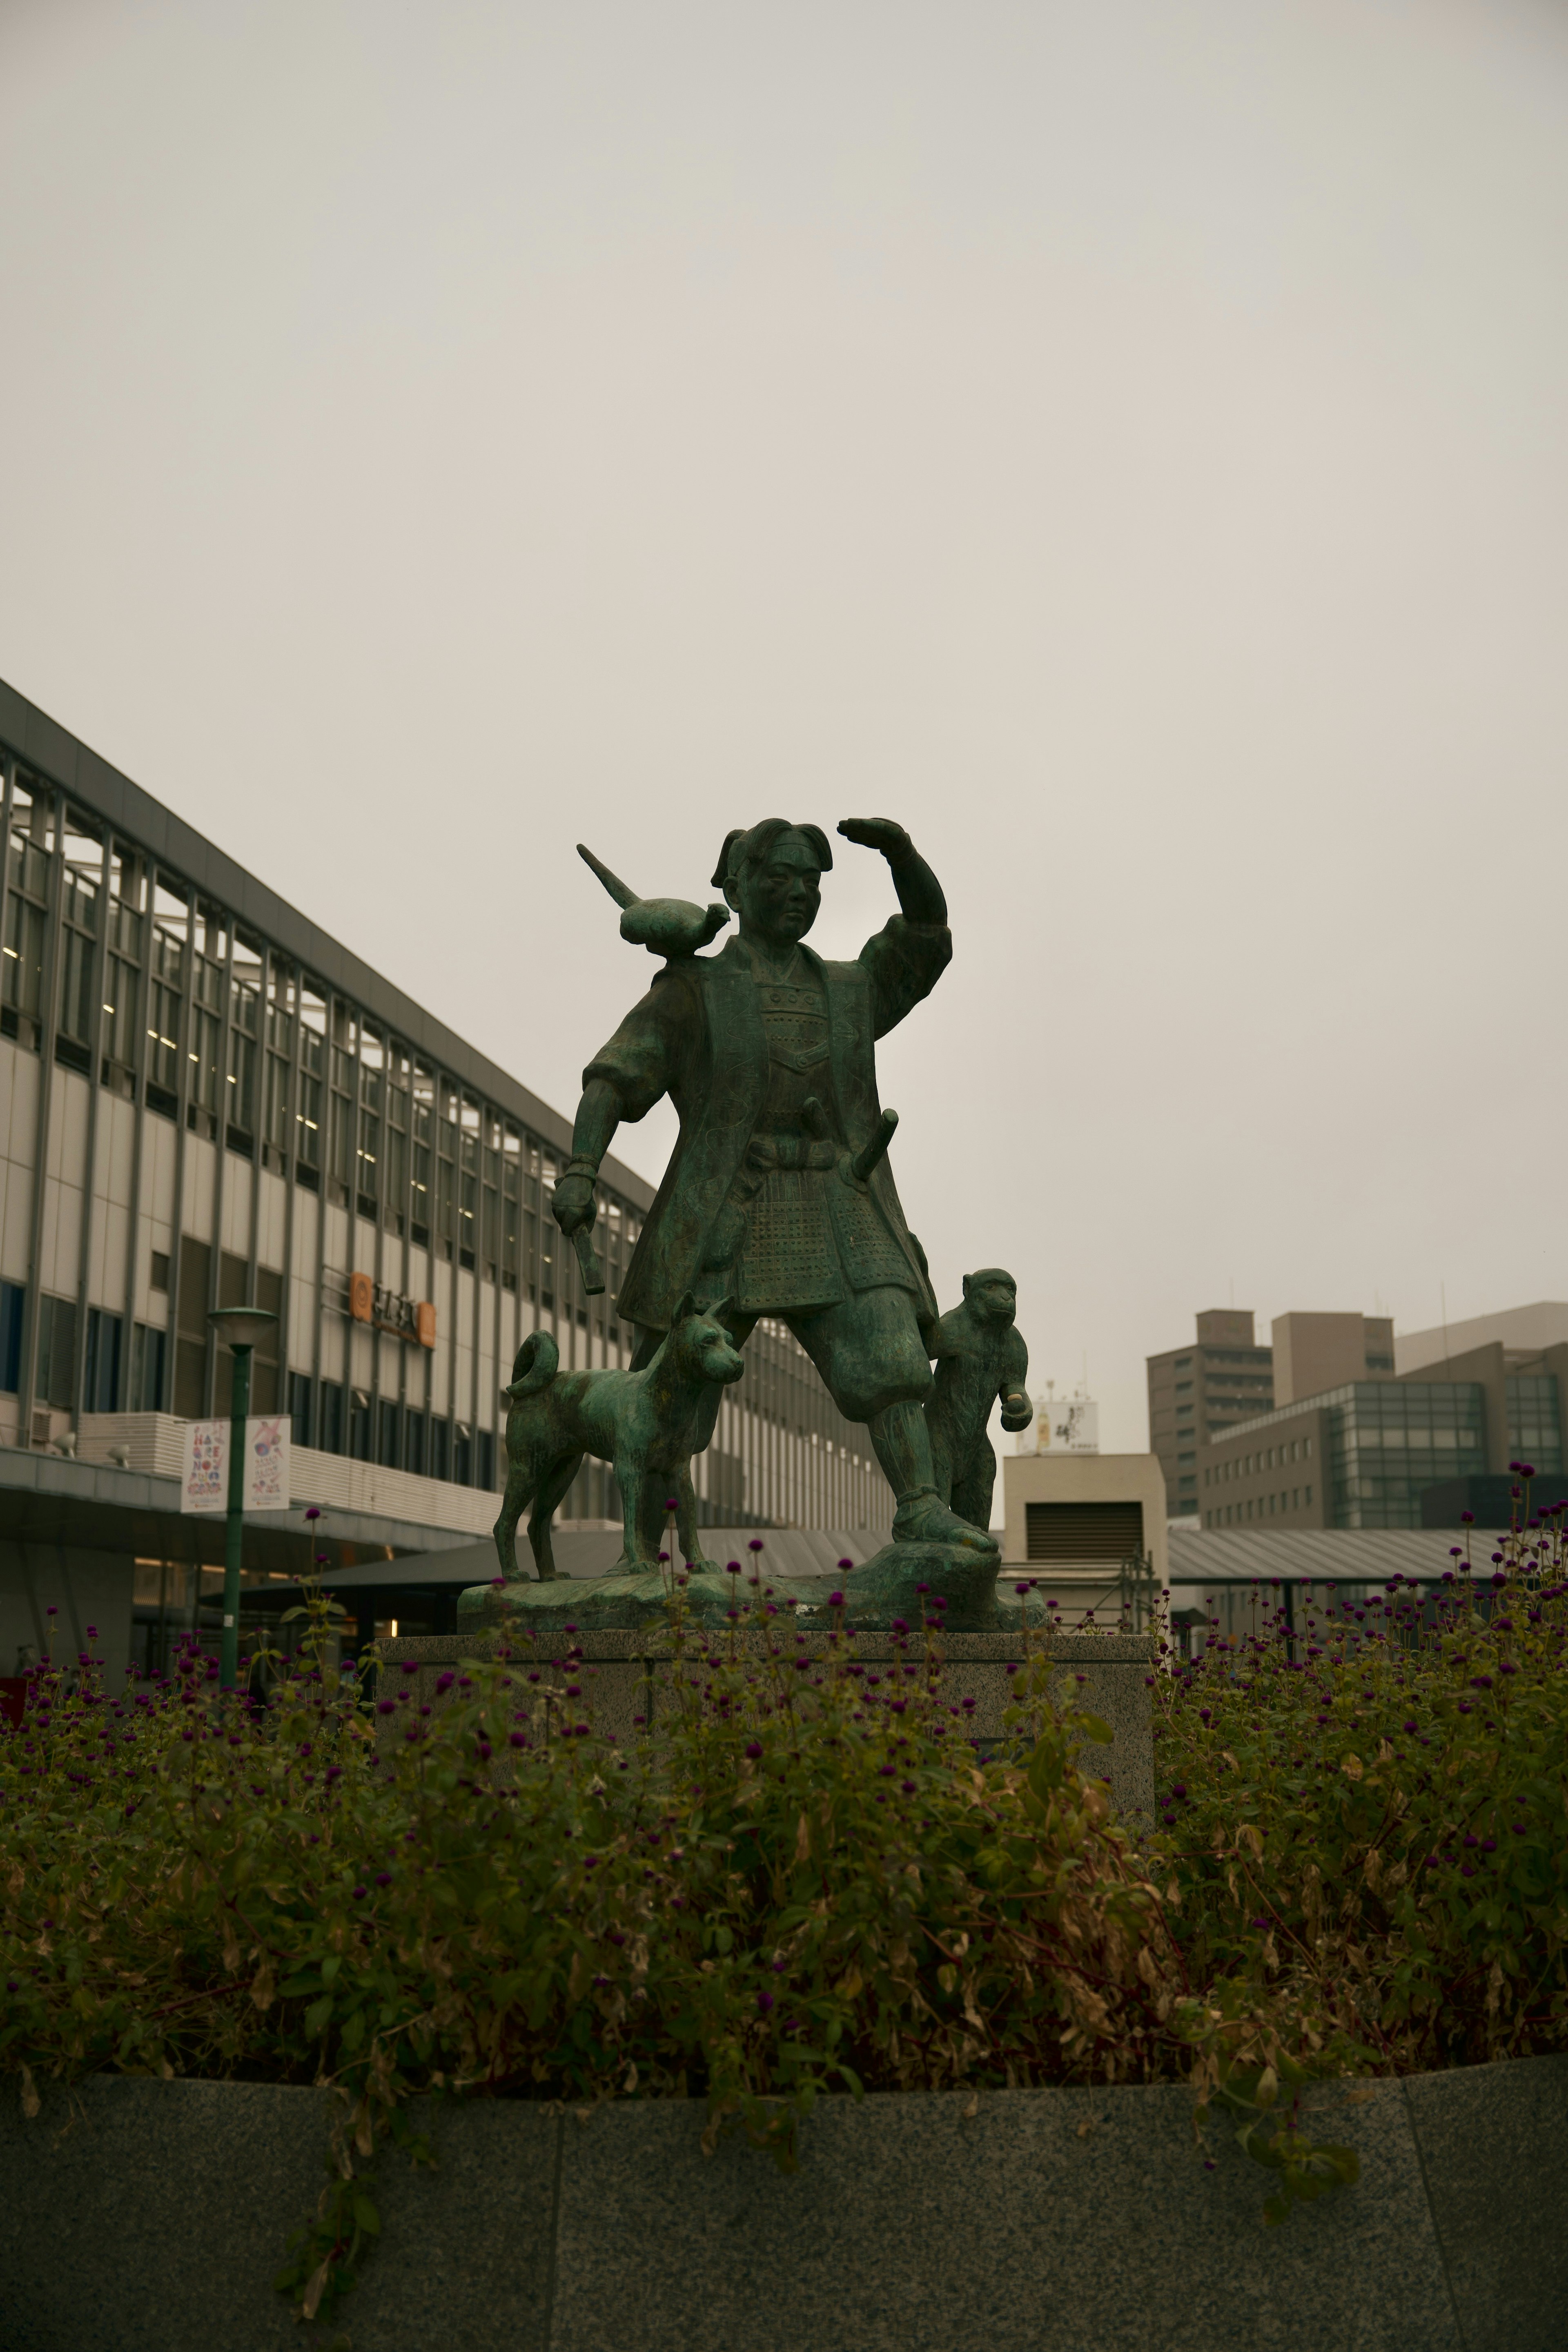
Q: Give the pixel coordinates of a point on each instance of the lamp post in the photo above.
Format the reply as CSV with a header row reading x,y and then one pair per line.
x,y
239,1328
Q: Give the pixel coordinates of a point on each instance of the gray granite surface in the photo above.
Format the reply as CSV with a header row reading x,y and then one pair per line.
x,y
1493,2141
626,1677
150,2216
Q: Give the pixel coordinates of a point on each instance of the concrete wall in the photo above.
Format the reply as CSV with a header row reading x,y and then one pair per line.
x,y
1083,1479
84,1588
142,2216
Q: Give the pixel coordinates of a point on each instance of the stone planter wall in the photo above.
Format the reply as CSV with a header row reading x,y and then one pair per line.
x,y
150,2217
627,1670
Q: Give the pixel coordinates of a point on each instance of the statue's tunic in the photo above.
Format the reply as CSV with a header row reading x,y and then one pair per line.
x,y
775,1078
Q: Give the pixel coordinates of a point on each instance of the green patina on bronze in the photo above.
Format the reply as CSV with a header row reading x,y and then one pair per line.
x,y
779,1201
981,1359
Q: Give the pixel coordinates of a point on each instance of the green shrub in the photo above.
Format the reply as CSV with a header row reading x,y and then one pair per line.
x,y
813,1883
1367,1812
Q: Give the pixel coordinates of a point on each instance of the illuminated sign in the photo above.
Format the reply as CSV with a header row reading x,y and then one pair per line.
x,y
386,1311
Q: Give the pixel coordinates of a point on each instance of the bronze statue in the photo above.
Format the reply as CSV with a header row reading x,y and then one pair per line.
x,y
980,1355
642,1423
778,1199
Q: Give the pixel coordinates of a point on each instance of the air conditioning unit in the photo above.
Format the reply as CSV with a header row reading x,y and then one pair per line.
x,y
38,1433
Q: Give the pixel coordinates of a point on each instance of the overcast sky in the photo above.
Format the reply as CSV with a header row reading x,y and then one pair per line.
x,y
1123,441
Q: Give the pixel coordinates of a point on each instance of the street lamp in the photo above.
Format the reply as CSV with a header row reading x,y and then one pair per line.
x,y
238,1327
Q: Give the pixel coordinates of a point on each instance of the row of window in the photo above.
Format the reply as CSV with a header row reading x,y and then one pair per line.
x,y
253,1047
1250,1465
1260,1506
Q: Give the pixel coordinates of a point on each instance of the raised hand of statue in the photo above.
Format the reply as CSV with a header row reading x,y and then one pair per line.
x,y
876,833
574,1203
1018,1412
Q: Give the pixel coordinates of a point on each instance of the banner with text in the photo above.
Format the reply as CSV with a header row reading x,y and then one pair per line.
x,y
204,1474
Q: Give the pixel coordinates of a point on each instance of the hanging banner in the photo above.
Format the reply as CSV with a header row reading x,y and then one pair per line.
x,y
204,1470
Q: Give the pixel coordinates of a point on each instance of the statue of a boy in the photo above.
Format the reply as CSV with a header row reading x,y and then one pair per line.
x,y
980,1355
767,1053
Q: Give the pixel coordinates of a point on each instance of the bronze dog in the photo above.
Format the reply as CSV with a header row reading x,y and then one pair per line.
x,y
642,1424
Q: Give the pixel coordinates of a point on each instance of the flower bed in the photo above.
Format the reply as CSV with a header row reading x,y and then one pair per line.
x,y
811,1885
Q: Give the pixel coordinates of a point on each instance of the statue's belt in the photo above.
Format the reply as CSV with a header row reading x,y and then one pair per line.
x,y
765,1153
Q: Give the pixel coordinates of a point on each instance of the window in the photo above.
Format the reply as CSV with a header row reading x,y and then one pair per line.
x,y
56,1351
421,1200
100,1381
359,1424
440,1448
488,1458
28,876
386,1434
147,1353
82,876
367,1163
462,1455
190,1336
12,1299
165,998
300,1408
243,1034
331,1436
312,1058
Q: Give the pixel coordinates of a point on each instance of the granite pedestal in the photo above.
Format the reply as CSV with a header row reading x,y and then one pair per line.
x,y
625,1672
139,2215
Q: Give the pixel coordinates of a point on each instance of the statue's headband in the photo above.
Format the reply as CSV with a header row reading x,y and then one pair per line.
x,y
749,848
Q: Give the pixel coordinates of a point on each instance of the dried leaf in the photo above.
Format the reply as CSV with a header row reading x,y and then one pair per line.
x,y
803,1840
316,2289
30,2101
1353,1769
263,1990
1250,1835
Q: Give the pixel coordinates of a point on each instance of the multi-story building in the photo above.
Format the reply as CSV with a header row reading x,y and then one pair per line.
x,y
206,1100
1196,1393
1314,1352
1374,1452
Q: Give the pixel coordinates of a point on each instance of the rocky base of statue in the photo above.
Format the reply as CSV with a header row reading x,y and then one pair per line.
x,y
901,1582
622,1600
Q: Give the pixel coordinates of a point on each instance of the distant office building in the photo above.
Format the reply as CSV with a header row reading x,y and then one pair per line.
x,y
1365,1453
1314,1352
1196,1393
1519,1331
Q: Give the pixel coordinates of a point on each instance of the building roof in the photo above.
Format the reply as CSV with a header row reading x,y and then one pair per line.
x,y
102,790
1210,1556
1527,1330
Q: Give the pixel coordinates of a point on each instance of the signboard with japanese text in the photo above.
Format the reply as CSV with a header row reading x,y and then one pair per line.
x,y
387,1310
204,1473
1062,1425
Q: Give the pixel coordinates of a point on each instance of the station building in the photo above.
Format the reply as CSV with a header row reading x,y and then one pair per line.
x,y
205,1101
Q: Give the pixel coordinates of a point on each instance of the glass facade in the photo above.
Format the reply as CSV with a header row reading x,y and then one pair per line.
x,y
1388,1440
258,1133
1534,1420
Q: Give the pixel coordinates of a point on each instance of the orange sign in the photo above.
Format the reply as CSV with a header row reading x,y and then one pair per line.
x,y
385,1310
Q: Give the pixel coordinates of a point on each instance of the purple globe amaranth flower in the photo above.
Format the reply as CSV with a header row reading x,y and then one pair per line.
x,y
764,2002
360,1892
753,1749
755,1544
836,1600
